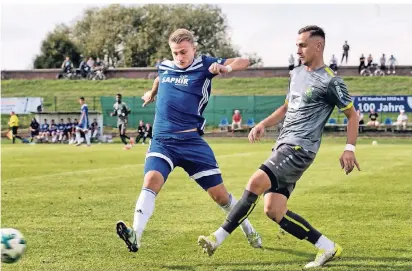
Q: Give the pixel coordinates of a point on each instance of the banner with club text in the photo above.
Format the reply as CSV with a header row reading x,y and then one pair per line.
x,y
386,104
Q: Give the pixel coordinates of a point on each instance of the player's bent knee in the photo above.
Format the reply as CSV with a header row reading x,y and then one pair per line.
x,y
153,180
219,194
258,183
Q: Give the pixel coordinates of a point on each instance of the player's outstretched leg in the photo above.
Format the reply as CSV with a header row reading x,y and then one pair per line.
x,y
294,224
251,234
145,204
258,183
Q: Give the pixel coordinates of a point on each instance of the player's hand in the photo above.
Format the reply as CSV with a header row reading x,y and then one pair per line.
x,y
217,68
256,133
348,161
111,114
148,98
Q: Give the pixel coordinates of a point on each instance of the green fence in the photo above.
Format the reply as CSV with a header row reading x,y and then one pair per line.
x,y
219,107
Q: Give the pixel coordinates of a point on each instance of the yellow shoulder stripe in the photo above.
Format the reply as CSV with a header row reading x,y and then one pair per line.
x,y
328,70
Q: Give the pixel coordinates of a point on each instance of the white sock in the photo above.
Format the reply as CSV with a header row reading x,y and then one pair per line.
x,y
247,228
77,137
324,243
143,211
87,135
220,235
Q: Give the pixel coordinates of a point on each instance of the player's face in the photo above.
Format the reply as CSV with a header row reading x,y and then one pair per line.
x,y
308,48
81,101
183,53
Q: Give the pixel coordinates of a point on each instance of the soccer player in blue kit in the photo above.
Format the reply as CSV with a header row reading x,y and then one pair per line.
x,y
183,89
83,124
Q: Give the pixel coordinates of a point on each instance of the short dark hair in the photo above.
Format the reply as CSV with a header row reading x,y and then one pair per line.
x,y
118,94
313,30
82,98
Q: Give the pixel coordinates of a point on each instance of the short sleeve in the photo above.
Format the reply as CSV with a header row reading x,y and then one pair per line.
x,y
338,94
208,60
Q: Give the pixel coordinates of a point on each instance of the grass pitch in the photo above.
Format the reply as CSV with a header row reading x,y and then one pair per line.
x,y
66,201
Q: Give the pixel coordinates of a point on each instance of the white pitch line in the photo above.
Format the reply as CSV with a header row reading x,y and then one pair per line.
x,y
74,172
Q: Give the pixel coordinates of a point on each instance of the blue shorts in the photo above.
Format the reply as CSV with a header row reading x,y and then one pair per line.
x,y
192,154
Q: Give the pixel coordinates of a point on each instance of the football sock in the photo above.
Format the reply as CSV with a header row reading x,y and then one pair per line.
x,y
143,211
240,211
299,227
246,226
87,135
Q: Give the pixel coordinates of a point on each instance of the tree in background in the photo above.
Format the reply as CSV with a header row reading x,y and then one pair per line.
x,y
55,48
138,35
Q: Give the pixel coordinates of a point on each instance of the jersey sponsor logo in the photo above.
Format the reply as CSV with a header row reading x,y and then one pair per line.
x,y
338,89
182,80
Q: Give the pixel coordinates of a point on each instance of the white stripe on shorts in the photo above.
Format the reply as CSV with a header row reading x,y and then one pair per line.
x,y
157,154
206,173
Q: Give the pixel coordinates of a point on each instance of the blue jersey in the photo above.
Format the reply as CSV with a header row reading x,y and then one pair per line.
x,y
60,126
53,127
44,127
183,96
68,126
85,120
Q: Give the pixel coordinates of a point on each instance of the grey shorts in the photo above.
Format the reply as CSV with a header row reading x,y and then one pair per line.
x,y
285,166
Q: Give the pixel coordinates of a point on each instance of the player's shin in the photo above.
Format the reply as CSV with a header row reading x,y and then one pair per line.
x,y
301,229
143,211
245,225
237,215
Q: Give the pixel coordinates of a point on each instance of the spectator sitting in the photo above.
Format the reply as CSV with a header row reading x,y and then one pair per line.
x,y
370,60
236,120
402,120
90,62
44,131
84,68
34,129
67,65
360,119
53,131
140,131
95,129
373,116
99,64
361,63
148,133
60,130
68,130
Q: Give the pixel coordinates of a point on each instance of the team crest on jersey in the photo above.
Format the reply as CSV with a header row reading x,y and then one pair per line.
x,y
182,80
309,92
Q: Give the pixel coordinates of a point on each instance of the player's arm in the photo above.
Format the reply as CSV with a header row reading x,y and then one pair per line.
x,y
339,96
114,112
230,64
150,96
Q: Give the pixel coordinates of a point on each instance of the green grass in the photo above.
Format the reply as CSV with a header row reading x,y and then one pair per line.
x,y
66,201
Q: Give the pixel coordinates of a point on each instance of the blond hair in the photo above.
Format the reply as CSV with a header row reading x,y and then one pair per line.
x,y
180,35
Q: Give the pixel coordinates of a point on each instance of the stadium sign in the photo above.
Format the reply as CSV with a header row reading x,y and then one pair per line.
x,y
387,104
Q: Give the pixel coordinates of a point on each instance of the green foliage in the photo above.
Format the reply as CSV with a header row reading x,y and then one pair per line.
x,y
55,48
138,36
